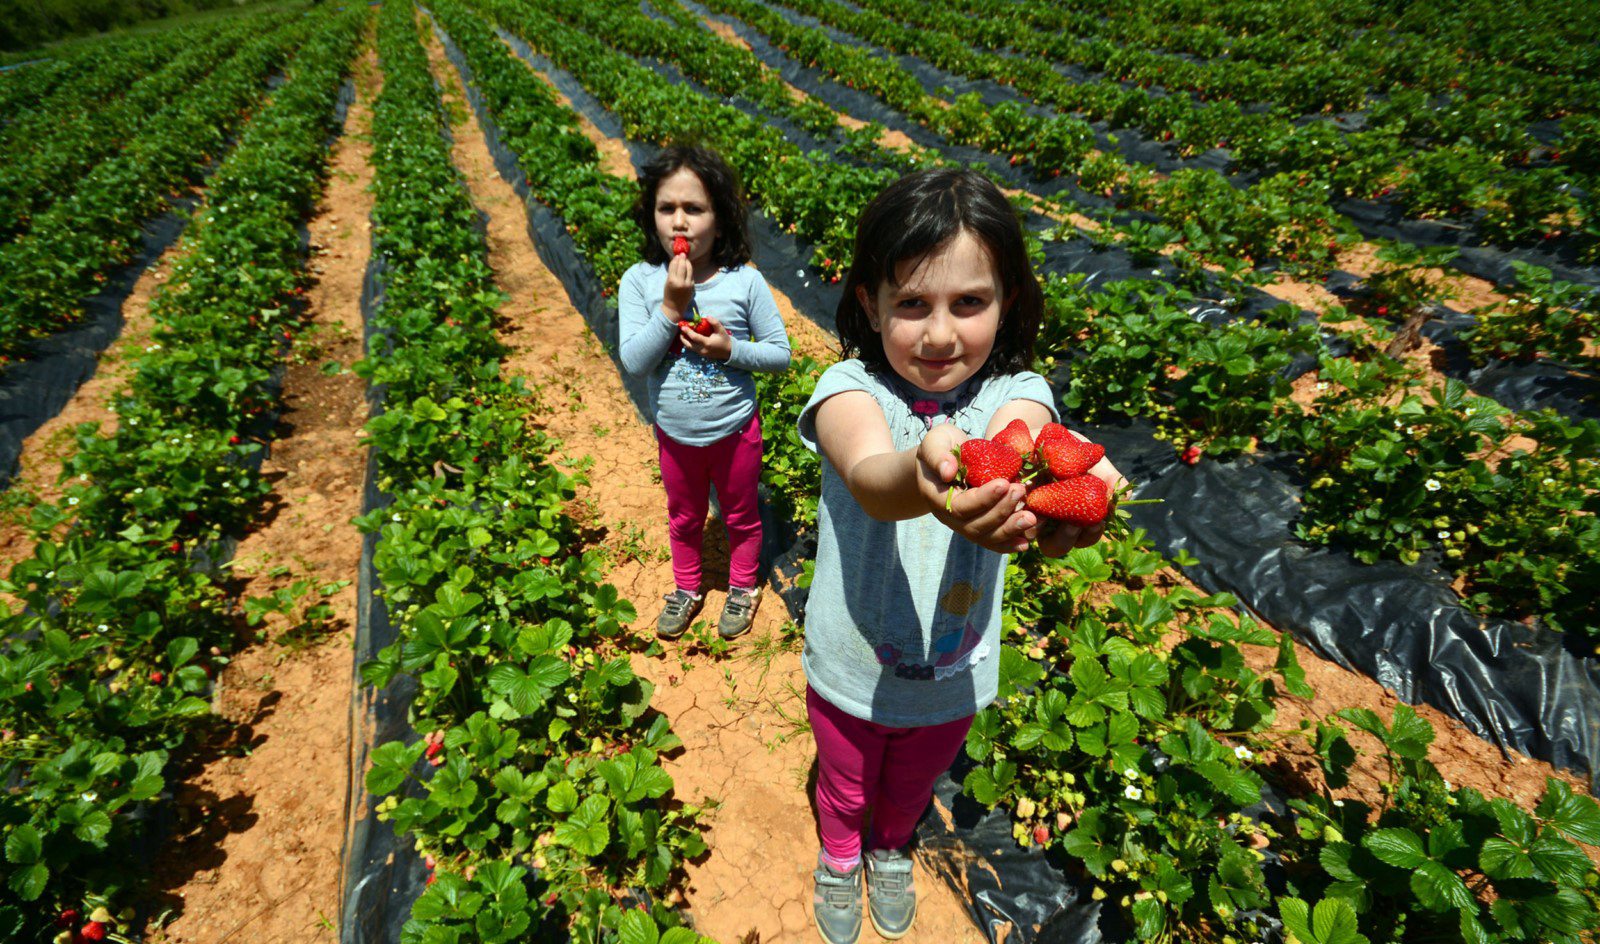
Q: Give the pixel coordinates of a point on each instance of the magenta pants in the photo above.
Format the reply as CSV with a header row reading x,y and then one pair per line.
x,y
864,766
733,464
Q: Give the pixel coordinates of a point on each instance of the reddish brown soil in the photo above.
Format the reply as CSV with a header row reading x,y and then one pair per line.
x,y
257,855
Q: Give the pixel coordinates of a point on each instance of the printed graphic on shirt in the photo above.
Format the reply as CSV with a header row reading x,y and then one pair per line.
x,y
957,643
697,377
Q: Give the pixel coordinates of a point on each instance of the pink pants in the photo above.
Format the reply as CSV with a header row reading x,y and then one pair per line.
x,y
863,765
733,464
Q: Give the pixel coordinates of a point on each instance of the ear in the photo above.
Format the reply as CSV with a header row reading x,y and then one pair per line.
x,y
868,304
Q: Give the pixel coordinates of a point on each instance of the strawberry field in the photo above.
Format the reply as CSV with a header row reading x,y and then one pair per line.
x,y
1322,278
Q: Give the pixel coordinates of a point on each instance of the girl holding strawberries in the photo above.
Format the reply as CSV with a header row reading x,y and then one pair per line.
x,y
939,317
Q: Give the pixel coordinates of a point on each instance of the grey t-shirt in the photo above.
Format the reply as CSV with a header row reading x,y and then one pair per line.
x,y
903,621
694,399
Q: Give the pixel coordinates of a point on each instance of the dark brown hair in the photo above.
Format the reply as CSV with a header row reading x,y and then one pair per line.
x,y
732,246
910,219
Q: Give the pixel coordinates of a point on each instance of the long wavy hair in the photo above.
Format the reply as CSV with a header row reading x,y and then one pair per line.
x,y
732,245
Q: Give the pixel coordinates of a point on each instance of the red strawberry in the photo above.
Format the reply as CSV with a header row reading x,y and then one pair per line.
x,y
66,918
699,326
93,931
1383,310
1191,455
1041,834
1049,433
1069,457
156,678
1080,501
984,460
433,748
1016,436
680,245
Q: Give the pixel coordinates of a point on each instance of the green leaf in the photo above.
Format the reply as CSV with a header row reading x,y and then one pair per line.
x,y
1438,888
1575,815
1398,847
562,798
637,927
181,650
94,827
1333,921
24,845
29,883
1502,860
586,831
1410,735
1559,861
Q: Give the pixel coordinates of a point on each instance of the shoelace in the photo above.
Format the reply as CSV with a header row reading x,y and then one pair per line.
x,y
837,891
890,880
740,606
678,605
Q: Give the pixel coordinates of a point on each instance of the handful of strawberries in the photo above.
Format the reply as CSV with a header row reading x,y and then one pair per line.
x,y
1055,467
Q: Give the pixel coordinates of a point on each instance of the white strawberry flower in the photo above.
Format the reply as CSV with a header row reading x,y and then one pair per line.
x,y
1132,792
1432,485
1242,752
1132,773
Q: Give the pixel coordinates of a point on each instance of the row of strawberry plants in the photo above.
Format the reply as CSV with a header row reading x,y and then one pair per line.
x,y
83,82
54,166
124,611
45,275
536,795
1453,181
1392,470
1279,219
1336,69
1132,739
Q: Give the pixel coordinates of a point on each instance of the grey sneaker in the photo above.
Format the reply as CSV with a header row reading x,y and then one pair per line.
x,y
836,904
680,611
737,612
891,895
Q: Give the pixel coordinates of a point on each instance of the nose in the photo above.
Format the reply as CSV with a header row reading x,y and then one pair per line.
x,y
679,220
939,328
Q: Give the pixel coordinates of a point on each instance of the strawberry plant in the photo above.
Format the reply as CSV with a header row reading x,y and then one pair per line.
x,y
1437,861
1544,317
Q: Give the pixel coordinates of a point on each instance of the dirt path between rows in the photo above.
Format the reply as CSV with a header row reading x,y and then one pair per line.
x,y
260,813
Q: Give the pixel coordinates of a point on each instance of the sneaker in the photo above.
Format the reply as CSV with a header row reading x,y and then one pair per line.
x,y
737,612
681,609
836,904
891,896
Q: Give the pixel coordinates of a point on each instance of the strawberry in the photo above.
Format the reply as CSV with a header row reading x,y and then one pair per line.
x,y
93,931
1041,834
1081,500
699,326
1191,455
1016,436
1070,457
680,245
1383,310
1049,433
156,678
433,748
66,918
984,460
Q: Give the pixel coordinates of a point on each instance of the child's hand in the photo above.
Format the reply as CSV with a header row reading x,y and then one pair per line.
x,y
678,295
715,346
990,515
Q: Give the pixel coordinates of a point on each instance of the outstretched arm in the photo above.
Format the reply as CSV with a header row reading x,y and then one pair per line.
x,y
896,485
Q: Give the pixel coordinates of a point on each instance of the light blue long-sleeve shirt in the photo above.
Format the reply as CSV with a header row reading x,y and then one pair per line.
x,y
696,400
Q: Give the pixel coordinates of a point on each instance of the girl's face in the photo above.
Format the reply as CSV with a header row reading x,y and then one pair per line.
x,y
939,325
683,208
